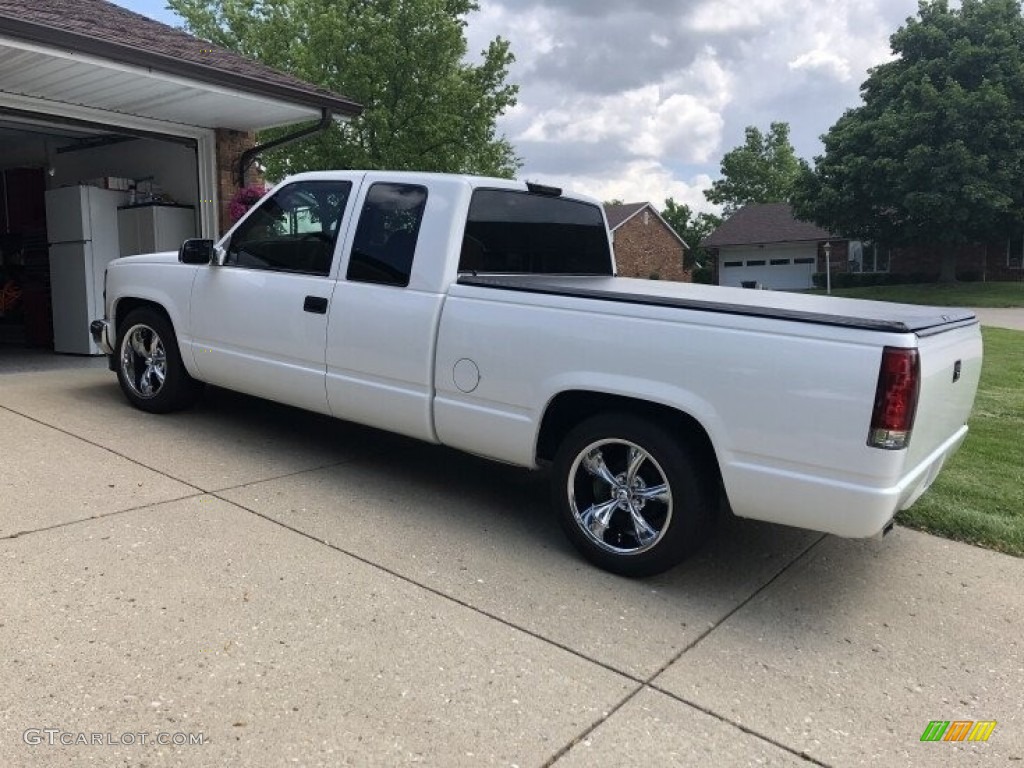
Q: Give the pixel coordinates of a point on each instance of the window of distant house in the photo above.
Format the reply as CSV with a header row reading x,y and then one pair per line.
x,y
1015,252
868,257
647,218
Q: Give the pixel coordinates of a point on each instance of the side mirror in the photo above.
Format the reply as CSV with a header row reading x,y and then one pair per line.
x,y
196,252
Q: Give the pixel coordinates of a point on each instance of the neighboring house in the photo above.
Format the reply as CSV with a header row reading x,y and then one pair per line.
x,y
92,93
645,245
764,245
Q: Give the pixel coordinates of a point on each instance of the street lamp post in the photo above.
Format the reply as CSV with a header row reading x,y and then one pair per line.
x,y
827,248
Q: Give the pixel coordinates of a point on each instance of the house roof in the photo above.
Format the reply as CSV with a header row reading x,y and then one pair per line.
x,y
107,31
765,223
618,215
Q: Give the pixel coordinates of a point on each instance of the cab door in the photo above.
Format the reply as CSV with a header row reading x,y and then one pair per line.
x,y
259,320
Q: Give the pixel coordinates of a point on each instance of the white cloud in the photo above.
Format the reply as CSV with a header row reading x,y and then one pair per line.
x,y
645,122
735,15
636,181
823,61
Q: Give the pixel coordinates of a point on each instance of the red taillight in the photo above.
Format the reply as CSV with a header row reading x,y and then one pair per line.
x,y
899,381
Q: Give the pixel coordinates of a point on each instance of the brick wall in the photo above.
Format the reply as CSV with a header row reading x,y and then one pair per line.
x,y
839,259
982,260
995,267
230,146
644,246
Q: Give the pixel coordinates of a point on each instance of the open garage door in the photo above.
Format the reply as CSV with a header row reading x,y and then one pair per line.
x,y
73,196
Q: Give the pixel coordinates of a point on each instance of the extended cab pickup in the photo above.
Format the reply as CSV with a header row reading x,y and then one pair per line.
x,y
485,314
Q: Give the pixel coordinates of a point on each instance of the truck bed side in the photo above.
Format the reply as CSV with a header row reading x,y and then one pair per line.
x,y
786,405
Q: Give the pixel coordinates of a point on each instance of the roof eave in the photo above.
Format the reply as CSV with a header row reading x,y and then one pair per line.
x,y
709,244
130,55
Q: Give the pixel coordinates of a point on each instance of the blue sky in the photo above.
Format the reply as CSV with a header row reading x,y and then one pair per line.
x,y
639,99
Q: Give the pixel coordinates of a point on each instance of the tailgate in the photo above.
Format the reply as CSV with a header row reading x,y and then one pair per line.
x,y
950,369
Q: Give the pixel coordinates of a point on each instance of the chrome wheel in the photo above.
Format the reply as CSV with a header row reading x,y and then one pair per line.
x,y
619,496
143,361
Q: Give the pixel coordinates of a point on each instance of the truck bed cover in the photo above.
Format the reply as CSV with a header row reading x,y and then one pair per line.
x,y
778,305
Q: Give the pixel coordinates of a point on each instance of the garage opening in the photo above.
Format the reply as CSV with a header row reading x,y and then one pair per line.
x,y
74,196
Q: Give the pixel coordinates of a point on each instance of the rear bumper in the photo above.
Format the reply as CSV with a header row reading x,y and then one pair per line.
x,y
832,506
102,334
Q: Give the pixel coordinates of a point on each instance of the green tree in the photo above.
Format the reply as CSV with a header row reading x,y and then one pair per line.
x,y
762,170
692,228
426,108
935,154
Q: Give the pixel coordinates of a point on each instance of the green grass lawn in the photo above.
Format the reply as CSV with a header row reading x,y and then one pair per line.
x,y
979,495
941,294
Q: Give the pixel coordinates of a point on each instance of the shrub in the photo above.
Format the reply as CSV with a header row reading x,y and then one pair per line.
x,y
846,280
703,275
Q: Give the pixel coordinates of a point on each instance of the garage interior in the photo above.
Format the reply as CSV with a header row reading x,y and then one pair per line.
x,y
48,171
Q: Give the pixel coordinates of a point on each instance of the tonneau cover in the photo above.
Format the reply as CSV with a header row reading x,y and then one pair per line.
x,y
780,305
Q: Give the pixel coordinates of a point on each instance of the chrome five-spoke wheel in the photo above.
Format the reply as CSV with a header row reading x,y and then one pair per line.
x,y
149,366
633,494
143,361
620,496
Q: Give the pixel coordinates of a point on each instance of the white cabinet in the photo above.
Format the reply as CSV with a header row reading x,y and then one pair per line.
x,y
154,227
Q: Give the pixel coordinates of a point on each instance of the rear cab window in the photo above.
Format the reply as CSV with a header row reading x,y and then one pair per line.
x,y
389,227
519,232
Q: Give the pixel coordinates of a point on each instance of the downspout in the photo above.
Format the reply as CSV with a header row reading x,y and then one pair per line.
x,y
250,155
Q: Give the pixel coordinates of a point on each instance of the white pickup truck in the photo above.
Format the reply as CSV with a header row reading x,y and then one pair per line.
x,y
485,314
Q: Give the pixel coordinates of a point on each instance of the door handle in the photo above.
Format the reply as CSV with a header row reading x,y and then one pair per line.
x,y
315,304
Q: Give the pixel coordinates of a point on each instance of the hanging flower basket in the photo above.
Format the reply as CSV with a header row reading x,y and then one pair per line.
x,y
243,200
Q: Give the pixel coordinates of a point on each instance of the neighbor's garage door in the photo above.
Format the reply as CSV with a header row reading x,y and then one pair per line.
x,y
778,267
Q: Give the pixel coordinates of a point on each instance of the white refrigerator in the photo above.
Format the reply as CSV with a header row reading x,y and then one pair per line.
x,y
81,226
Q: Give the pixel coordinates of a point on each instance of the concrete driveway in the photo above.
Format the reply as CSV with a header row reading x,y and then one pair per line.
x,y
300,591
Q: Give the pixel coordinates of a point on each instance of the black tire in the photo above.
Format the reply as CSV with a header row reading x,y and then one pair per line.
x,y
598,516
146,348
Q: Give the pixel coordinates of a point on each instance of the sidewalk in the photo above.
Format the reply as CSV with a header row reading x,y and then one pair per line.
x,y
1002,318
303,591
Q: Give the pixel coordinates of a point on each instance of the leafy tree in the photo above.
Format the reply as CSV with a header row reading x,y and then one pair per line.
x,y
403,60
762,170
692,228
935,154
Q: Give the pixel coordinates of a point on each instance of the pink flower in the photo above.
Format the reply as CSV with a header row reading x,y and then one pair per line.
x,y
243,200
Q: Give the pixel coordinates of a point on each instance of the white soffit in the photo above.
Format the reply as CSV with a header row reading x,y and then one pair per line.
x,y
65,77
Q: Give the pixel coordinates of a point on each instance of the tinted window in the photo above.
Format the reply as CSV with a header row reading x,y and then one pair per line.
x,y
389,227
293,231
514,232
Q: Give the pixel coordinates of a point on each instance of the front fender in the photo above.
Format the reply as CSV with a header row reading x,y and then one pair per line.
x,y
168,286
